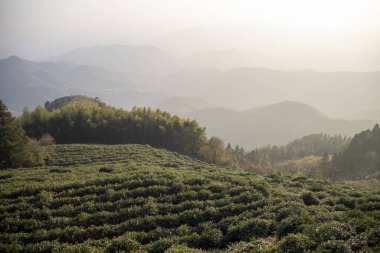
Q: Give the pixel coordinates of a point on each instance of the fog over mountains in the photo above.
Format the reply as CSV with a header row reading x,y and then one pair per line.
x,y
273,124
27,83
275,46
207,87
138,60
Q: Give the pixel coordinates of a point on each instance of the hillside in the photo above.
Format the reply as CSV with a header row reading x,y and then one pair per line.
x,y
275,124
134,198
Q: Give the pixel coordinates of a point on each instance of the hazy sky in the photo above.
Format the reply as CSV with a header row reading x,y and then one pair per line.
x,y
41,28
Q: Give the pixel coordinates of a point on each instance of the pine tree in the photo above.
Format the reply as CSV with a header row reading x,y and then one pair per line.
x,y
14,145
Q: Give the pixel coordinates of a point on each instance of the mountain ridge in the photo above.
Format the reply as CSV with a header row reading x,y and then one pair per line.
x,y
269,125
144,59
28,83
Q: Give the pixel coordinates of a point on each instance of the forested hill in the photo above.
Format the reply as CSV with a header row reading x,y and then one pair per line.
x,y
362,157
81,120
310,145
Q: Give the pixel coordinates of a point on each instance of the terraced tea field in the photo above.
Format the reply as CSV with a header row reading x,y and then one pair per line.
x,y
134,198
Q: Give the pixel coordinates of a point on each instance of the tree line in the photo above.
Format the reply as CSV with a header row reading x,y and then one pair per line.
x,y
90,121
313,144
80,119
16,148
359,160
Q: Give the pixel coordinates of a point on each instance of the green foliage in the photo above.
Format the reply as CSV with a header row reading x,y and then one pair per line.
x,y
15,150
296,243
124,243
213,151
309,198
182,249
40,147
159,201
63,101
79,119
314,144
362,156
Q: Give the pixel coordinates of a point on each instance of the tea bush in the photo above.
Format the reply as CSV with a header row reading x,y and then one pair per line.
x,y
144,205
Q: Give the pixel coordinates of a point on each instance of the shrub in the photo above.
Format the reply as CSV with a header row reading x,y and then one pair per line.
x,y
296,243
40,147
292,224
124,244
347,202
300,178
309,198
334,246
59,171
210,236
241,247
160,245
182,249
105,170
334,230
250,228
374,237
290,209
265,245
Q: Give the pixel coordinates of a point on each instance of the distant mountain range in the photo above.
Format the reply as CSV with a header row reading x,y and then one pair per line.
x,y
274,124
137,60
127,76
231,78
27,83
334,92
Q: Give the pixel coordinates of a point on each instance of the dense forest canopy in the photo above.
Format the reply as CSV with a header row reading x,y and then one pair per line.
x,y
14,144
62,101
79,120
314,144
362,156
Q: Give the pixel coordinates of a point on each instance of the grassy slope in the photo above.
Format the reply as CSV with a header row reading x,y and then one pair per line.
x,y
151,199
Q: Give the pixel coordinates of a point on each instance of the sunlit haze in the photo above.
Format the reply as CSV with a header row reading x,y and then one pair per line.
x,y
297,34
233,54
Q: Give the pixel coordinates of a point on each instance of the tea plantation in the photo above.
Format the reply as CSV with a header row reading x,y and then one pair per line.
x,y
134,198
